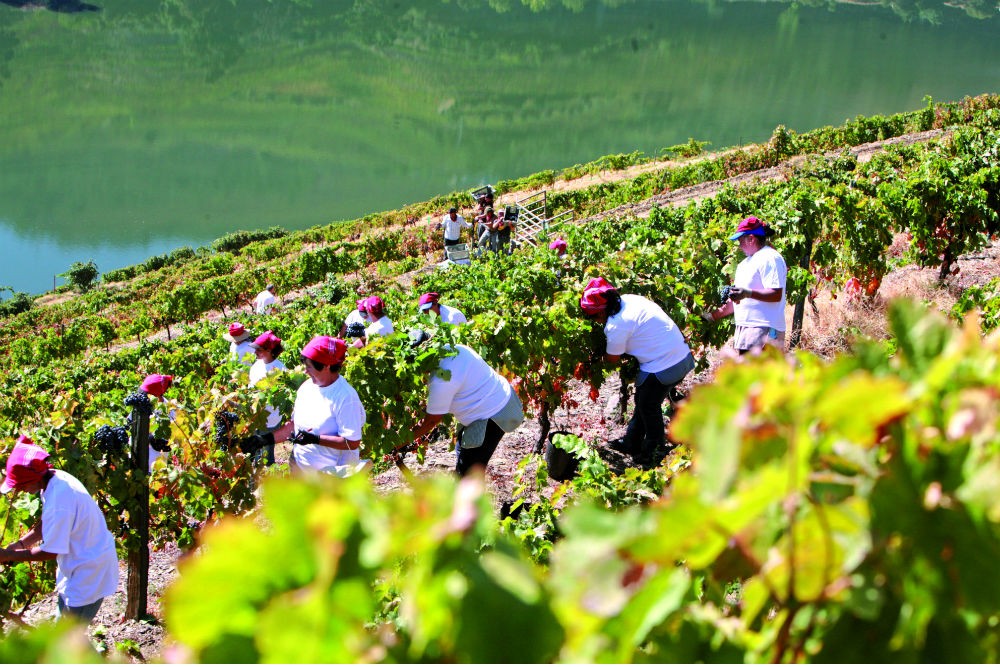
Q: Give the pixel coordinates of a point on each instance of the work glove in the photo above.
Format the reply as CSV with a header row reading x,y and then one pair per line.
x,y
707,315
257,441
304,438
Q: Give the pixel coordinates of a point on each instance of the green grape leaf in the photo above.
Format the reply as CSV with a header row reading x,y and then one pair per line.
x,y
856,407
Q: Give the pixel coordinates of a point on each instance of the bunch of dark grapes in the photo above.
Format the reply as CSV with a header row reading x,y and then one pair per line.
x,y
724,294
159,444
111,440
139,401
224,422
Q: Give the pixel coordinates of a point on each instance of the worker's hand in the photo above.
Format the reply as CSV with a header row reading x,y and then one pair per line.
x,y
737,294
707,315
257,441
305,438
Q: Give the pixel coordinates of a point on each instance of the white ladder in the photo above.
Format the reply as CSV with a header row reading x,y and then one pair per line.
x,y
532,218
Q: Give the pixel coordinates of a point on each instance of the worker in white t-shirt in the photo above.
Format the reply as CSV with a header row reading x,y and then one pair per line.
x,y
636,326
356,322
430,302
757,298
328,417
239,343
453,224
267,347
264,302
72,531
378,322
480,399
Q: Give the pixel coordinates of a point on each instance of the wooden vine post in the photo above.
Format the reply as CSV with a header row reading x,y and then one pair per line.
x,y
798,315
138,555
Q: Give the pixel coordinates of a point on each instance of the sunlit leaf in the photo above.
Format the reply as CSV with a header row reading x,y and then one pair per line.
x,y
857,406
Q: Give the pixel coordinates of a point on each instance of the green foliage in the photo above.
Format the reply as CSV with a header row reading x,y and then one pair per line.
x,y
81,276
690,149
825,501
333,539
948,202
235,241
758,426
983,298
49,643
333,290
19,302
391,376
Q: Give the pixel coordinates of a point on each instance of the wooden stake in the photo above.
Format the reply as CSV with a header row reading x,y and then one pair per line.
x,y
138,556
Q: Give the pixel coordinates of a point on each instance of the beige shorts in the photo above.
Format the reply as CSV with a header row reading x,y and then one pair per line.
x,y
755,338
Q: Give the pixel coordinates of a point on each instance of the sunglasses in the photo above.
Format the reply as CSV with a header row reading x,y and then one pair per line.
x,y
309,362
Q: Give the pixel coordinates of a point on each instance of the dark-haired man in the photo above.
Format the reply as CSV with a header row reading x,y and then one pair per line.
x,y
757,298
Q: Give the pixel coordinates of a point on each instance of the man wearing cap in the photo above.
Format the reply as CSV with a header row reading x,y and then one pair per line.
x,y
265,301
636,326
355,323
453,223
481,400
757,299
328,417
429,303
239,344
72,531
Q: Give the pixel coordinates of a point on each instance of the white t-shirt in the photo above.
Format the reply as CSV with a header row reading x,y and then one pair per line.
x,y
243,352
264,301
453,228
474,391
74,529
451,315
380,327
765,269
355,317
331,410
642,329
258,372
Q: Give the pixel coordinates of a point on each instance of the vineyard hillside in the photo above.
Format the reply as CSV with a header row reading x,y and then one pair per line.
x,y
843,489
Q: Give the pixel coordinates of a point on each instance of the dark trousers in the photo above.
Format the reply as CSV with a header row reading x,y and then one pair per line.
x,y
469,458
645,430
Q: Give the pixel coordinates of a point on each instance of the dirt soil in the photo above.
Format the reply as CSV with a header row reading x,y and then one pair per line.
x,y
600,420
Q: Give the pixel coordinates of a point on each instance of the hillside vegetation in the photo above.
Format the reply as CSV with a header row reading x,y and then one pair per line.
x,y
809,502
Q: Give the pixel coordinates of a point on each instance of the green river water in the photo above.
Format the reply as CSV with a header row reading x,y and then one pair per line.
x,y
132,127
